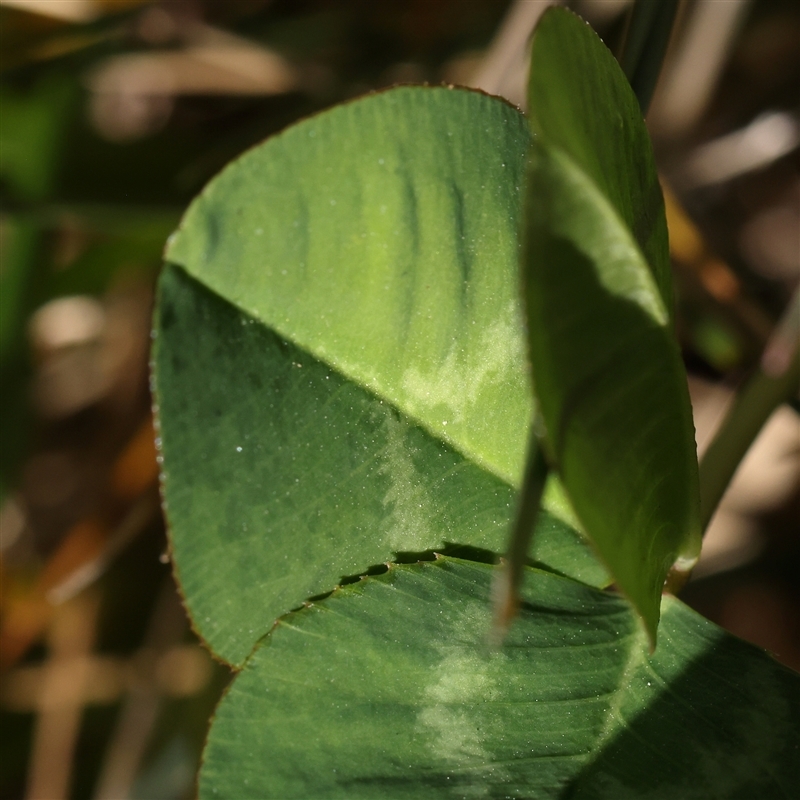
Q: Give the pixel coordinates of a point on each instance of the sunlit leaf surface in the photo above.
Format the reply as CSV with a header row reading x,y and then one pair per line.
x,y
340,358
387,689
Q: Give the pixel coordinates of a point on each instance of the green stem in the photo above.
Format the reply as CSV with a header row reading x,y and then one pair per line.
x,y
506,598
751,408
645,44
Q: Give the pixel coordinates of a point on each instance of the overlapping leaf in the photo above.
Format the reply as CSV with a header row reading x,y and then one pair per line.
x,y
388,689
608,375
340,358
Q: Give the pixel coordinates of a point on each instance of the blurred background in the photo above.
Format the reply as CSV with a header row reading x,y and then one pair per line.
x,y
113,115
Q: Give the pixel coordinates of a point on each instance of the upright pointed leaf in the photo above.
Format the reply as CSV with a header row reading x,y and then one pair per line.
x,y
339,360
607,370
581,102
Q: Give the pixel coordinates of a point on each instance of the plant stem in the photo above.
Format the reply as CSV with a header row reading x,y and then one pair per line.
x,y
646,39
774,382
506,592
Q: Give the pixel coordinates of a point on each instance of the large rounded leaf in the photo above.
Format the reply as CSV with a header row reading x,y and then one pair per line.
x,y
339,360
382,237
608,374
388,689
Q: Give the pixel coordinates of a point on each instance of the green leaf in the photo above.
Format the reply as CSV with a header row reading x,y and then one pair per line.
x,y
340,358
581,103
609,378
388,689
32,134
281,475
382,237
